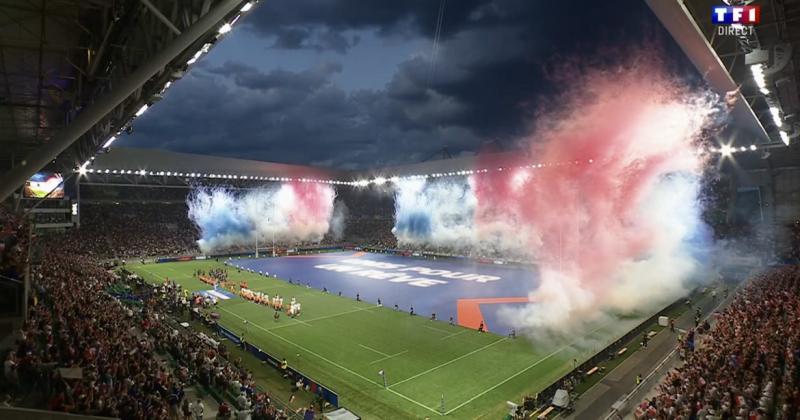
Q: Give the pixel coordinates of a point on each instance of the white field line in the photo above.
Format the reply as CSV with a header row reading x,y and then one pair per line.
x,y
436,329
420,374
337,365
559,350
453,334
374,350
308,321
389,357
451,361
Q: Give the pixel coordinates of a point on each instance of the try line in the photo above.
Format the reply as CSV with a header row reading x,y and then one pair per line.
x,y
536,363
337,365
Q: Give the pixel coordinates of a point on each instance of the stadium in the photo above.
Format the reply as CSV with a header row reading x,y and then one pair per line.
x,y
219,209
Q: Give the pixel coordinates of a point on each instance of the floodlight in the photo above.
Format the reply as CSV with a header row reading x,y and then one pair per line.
x,y
785,137
141,110
776,116
726,150
194,58
758,75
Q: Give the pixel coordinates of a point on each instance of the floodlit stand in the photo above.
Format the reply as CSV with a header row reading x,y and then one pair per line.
x,y
92,114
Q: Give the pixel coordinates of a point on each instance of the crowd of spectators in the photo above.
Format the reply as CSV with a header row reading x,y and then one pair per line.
x,y
790,249
746,365
83,351
200,358
371,232
14,236
130,231
134,230
80,350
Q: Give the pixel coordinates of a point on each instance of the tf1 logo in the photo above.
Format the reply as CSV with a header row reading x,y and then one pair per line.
x,y
742,15
736,20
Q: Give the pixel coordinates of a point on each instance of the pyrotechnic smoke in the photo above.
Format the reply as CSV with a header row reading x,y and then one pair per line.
x,y
290,212
442,214
434,213
614,226
218,215
611,217
339,220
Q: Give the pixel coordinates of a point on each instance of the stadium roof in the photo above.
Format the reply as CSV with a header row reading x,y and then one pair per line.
x,y
154,167
760,64
121,158
76,72
487,160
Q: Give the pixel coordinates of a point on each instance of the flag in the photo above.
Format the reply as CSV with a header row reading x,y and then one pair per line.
x,y
380,372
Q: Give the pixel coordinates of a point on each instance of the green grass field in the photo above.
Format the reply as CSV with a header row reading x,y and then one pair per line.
x,y
343,344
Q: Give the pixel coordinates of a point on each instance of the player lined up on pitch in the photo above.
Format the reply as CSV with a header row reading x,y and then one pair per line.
x,y
276,303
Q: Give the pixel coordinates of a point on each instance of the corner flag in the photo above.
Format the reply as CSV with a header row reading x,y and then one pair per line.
x,y
383,375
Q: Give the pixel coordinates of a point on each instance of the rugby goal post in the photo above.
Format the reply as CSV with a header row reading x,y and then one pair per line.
x,y
266,250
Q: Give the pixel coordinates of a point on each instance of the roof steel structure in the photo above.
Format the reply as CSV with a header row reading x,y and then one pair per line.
x,y
768,115
73,73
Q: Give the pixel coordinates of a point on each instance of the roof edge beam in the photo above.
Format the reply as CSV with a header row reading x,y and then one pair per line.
x,y
161,16
680,24
105,104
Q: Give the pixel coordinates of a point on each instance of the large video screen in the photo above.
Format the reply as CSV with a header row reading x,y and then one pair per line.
x,y
43,183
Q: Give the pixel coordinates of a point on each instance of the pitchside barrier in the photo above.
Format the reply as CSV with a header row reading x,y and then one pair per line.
x,y
545,396
284,251
440,255
315,387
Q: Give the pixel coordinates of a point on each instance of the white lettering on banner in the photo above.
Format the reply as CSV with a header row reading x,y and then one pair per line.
x,y
400,275
426,271
373,264
373,274
404,278
486,279
419,282
452,275
338,267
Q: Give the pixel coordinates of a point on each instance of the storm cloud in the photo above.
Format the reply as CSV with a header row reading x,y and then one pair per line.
x,y
352,84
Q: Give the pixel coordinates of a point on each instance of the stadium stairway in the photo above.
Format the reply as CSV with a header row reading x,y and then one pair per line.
x,y
210,405
596,402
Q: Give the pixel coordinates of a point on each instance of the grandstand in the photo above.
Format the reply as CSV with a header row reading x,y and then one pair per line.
x,y
121,296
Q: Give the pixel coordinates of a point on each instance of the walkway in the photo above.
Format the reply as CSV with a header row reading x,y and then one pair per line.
x,y
597,401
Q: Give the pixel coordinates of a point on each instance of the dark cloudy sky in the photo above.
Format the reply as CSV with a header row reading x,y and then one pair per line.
x,y
363,83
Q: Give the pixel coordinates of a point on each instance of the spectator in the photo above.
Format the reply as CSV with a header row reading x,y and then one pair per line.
x,y
197,409
747,365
